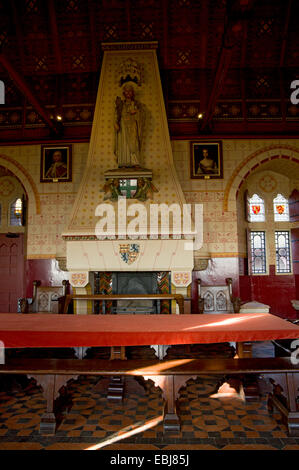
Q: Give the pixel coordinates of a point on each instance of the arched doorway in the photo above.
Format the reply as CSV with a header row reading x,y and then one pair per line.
x,y
13,202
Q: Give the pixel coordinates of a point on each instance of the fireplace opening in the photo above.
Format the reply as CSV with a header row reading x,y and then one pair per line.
x,y
125,283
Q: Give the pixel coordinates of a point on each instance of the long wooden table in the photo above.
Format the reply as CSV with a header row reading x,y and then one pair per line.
x,y
50,330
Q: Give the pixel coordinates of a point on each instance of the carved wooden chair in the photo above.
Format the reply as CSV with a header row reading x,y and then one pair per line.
x,y
45,299
217,299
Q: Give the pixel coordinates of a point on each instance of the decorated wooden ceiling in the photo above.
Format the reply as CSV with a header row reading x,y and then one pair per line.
x,y
232,61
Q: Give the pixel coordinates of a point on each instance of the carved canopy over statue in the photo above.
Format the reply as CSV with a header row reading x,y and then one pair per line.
x,y
129,117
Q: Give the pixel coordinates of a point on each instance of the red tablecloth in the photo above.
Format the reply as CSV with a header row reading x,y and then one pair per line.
x,y
51,330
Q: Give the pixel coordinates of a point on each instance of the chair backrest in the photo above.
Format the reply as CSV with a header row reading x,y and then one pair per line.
x,y
217,299
45,299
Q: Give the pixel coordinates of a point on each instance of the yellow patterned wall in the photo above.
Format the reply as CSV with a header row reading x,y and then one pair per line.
x,y
49,204
218,196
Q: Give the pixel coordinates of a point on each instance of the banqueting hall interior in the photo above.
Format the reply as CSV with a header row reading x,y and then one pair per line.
x,y
149,182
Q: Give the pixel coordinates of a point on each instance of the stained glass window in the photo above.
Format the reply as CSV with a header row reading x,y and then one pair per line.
x,y
256,209
15,213
281,209
282,245
258,252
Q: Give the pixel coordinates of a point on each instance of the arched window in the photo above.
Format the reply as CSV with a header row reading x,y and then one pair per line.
x,y
15,212
256,209
281,209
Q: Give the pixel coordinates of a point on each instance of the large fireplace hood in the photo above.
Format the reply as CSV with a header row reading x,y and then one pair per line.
x,y
85,250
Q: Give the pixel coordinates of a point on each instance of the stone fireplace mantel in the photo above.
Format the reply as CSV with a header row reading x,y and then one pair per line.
x,y
129,255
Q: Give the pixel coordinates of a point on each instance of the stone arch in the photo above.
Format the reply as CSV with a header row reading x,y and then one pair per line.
x,y
25,178
251,163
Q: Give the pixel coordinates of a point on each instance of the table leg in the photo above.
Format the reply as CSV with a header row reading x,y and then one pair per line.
x,y
248,382
171,422
51,384
244,349
116,384
170,386
285,397
116,388
293,399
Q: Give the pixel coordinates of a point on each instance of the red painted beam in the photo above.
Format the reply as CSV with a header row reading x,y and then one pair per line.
x,y
222,68
235,24
24,88
230,38
204,31
55,36
285,34
92,24
19,32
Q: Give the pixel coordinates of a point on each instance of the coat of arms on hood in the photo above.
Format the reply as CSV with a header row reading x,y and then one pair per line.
x,y
129,252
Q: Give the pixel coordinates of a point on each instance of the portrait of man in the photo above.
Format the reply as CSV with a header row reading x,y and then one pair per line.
x,y
206,160
56,164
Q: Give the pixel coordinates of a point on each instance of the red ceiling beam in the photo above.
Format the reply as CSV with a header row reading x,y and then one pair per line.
x,y
55,36
285,34
204,31
92,25
128,18
19,32
235,22
221,71
242,69
165,9
282,59
23,87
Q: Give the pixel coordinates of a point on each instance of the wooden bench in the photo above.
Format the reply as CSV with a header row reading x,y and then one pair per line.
x,y
179,298
170,376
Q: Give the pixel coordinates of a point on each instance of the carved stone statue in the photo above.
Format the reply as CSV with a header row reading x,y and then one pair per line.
x,y
129,125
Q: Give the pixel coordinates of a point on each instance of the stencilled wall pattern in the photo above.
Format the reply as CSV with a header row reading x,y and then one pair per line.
x,y
49,204
46,225
241,158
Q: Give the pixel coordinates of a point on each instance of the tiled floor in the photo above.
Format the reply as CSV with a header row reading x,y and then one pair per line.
x,y
87,420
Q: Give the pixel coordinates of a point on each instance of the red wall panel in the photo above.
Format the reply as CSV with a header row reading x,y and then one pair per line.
x,y
45,270
294,206
273,290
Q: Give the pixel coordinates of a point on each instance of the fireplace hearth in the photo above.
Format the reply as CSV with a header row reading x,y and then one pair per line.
x,y
141,283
